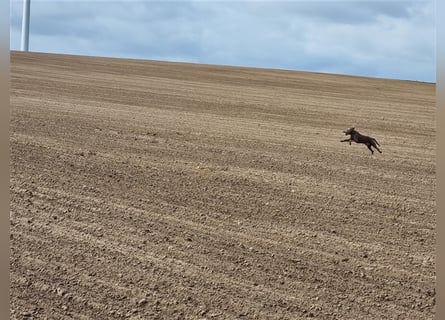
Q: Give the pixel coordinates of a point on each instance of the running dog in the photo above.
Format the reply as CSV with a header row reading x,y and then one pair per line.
x,y
359,138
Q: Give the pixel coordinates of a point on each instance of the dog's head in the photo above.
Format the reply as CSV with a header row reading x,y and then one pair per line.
x,y
349,131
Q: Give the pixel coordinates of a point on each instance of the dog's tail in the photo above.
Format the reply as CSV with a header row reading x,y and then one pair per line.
x,y
375,141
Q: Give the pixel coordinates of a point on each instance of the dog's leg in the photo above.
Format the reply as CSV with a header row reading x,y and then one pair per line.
x,y
346,140
375,146
369,147
375,141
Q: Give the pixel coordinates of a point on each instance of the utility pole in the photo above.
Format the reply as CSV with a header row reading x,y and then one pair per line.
x,y
24,45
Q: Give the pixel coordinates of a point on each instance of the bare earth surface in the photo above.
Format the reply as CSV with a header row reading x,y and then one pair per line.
x,y
150,190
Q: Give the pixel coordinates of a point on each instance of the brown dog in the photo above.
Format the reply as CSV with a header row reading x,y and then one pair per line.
x,y
359,138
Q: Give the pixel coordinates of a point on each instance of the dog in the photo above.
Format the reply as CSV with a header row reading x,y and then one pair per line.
x,y
359,138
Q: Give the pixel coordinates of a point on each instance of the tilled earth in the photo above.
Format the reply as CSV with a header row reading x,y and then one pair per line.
x,y
154,190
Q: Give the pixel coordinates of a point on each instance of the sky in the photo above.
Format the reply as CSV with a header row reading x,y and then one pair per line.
x,y
375,38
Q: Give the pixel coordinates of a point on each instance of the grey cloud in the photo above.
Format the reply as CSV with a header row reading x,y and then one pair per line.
x,y
345,12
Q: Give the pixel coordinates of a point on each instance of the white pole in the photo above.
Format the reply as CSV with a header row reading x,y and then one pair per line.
x,y
25,25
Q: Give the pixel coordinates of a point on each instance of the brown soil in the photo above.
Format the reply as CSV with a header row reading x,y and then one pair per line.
x,y
153,190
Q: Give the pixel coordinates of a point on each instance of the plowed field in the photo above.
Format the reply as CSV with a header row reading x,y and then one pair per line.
x,y
154,190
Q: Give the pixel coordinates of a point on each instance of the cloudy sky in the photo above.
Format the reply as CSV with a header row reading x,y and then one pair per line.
x,y
377,38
